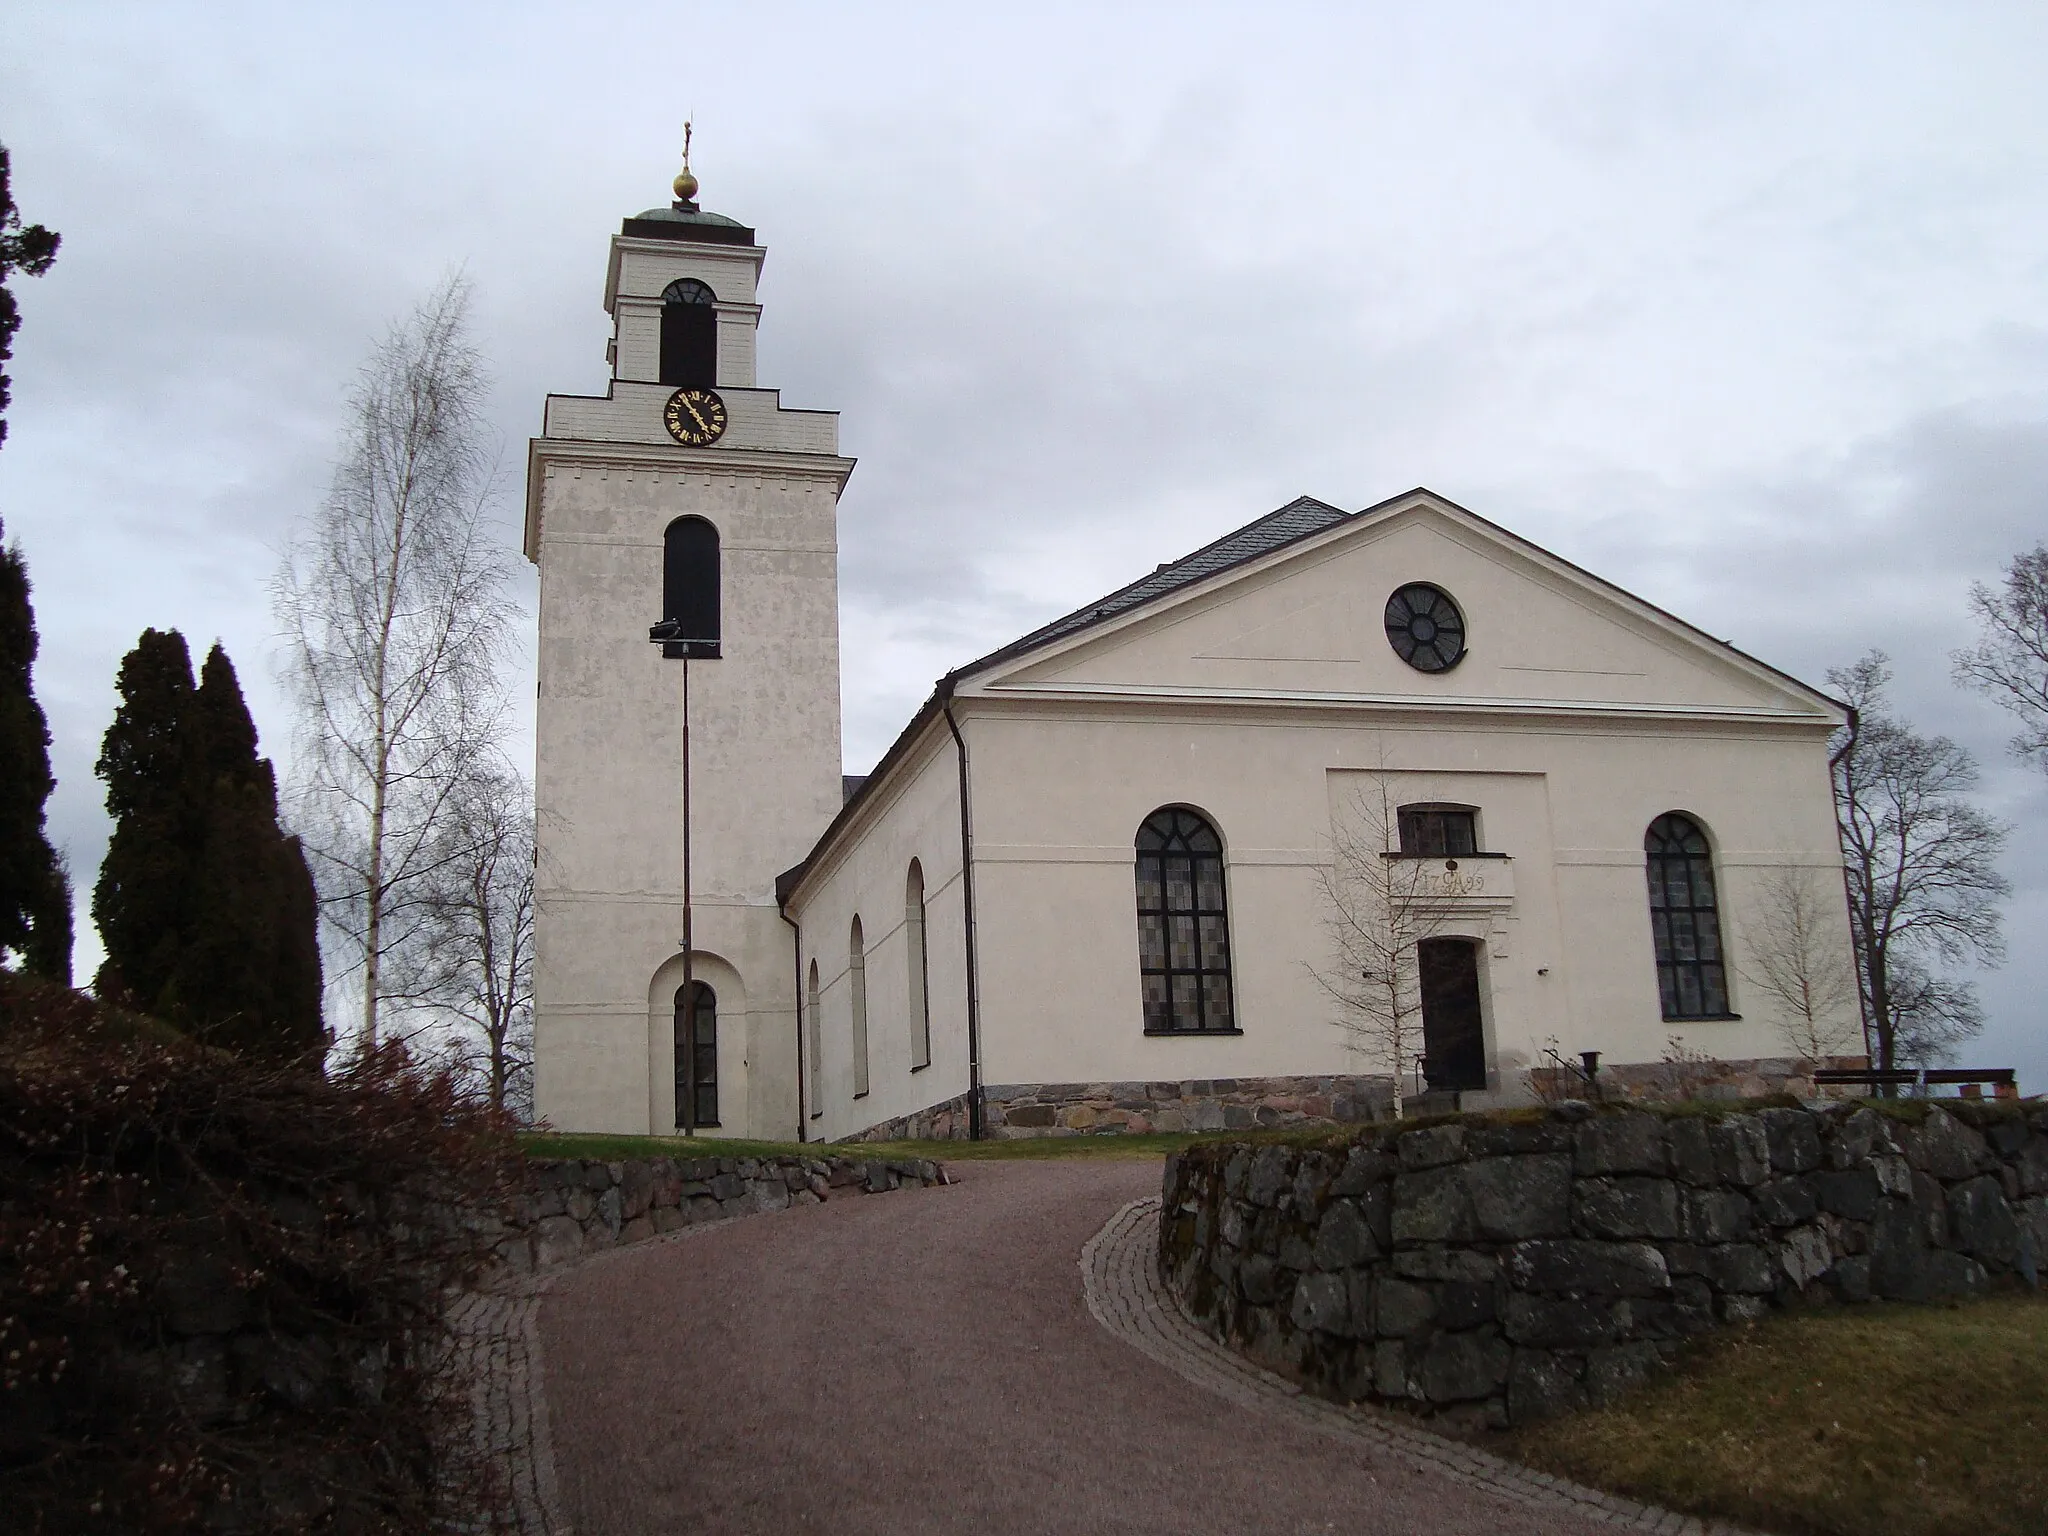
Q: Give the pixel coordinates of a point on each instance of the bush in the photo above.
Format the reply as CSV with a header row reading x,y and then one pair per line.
x,y
223,1286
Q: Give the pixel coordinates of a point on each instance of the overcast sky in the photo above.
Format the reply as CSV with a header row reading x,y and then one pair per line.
x,y
1744,307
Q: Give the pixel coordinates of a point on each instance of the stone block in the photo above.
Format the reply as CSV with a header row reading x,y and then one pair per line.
x,y
702,1209
1613,1370
1930,1202
1691,1151
1344,1238
610,1211
1390,1369
636,1190
1458,1367
1313,1172
1271,1176
638,1230
727,1186
1517,1138
1258,1278
2007,1134
1804,1255
1742,1153
1401,1309
1032,1115
579,1204
1793,1139
1469,1266
1626,1208
1564,1323
1541,1386
1295,1253
667,1218
1433,1206
1981,1221
1852,1278
1577,1266
1741,1267
1786,1203
1742,1309
1714,1216
1924,1274
1466,1304
1951,1150
1516,1197
1630,1142
556,1240
1431,1147
1322,1304
1853,1140
1852,1192
2032,1166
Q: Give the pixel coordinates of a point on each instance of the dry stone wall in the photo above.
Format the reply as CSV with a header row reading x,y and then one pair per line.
x,y
1496,1270
571,1208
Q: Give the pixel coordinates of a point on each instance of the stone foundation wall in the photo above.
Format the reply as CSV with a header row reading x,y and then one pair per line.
x,y
571,1208
941,1122
1497,1269
1013,1110
1707,1078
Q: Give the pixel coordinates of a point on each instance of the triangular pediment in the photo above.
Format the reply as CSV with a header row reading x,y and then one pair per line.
x,y
1307,622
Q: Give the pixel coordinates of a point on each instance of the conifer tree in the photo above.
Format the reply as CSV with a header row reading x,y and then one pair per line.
x,y
35,894
142,902
205,905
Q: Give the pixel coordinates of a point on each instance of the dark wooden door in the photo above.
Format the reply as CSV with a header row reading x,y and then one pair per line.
x,y
1453,1035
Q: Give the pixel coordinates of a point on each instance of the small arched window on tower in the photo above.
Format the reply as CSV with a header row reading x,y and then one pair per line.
x,y
689,588
1685,919
920,968
696,1056
689,335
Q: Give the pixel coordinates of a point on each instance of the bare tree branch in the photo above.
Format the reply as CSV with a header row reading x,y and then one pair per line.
x,y
2009,662
1920,860
392,599
1794,956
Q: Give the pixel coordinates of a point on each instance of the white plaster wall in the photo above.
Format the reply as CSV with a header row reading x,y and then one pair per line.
x,y
1060,792
918,817
765,773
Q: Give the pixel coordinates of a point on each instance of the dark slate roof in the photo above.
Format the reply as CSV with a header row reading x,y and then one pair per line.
x,y
849,785
1297,520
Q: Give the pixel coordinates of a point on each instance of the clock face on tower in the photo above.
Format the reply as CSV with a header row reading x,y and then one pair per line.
x,y
695,417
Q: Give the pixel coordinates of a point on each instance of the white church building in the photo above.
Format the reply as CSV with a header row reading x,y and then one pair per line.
x,y
1090,886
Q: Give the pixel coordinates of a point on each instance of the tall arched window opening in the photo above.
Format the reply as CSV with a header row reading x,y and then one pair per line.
x,y
696,1055
689,335
689,588
1685,919
816,1032
857,984
1183,926
919,966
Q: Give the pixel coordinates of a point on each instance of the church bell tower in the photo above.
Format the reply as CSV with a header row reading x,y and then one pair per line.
x,y
685,527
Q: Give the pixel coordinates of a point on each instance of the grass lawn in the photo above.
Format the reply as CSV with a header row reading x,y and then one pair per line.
x,y
556,1144
1852,1421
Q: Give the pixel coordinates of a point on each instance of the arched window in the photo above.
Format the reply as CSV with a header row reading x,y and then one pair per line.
x,y
1685,919
1183,927
816,1042
919,966
857,984
689,335
696,1056
689,587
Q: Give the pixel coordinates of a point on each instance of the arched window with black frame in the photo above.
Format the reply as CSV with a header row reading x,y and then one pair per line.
x,y
696,1056
689,588
689,335
1685,919
918,962
814,1036
857,991
1183,926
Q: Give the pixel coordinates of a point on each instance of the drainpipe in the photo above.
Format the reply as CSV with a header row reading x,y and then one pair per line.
x,y
796,963
974,1127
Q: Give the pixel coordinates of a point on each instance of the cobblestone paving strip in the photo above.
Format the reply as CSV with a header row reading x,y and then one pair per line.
x,y
1120,1277
497,1352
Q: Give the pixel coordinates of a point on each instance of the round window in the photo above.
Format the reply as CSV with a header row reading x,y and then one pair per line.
x,y
1425,628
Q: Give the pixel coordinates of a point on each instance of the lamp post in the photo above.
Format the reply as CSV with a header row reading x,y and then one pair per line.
x,y
669,633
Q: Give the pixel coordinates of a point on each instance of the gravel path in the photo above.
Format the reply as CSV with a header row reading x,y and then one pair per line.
x,y
929,1363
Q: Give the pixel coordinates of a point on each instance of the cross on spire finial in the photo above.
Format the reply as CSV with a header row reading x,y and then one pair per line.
x,y
686,183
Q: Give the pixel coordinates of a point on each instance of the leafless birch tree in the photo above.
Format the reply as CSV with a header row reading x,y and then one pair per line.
x,y
1921,861
471,970
2009,662
1377,909
1794,956
393,603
